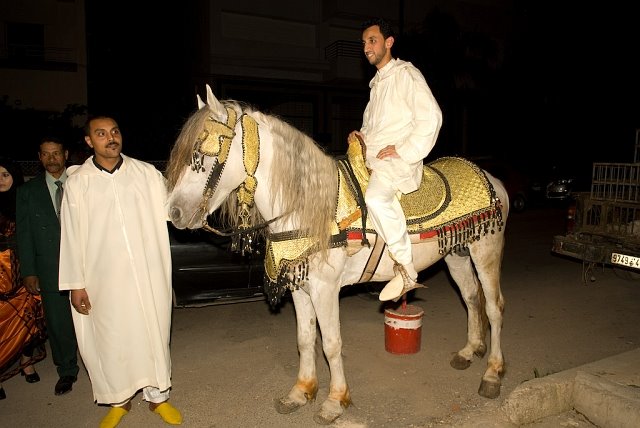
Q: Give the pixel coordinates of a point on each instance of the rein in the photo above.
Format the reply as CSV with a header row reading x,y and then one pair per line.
x,y
231,232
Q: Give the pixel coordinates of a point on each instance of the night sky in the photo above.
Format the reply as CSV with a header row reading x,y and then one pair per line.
x,y
138,72
567,92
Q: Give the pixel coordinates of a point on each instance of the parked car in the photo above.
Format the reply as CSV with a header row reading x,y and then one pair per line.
x,y
206,272
559,188
566,180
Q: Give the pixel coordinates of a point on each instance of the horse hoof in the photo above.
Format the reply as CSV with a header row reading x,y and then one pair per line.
x,y
330,411
489,389
459,363
322,419
285,405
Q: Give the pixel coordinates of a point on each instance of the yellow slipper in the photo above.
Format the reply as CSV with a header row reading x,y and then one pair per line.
x,y
169,414
113,417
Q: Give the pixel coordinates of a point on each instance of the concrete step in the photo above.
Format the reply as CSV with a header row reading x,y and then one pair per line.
x,y
606,392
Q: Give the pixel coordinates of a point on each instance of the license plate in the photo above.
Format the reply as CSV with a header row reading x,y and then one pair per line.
x,y
624,260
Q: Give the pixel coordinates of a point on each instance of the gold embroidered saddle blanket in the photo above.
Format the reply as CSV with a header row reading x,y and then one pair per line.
x,y
455,204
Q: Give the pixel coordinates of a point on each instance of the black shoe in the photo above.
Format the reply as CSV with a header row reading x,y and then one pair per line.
x,y
2,393
30,378
65,384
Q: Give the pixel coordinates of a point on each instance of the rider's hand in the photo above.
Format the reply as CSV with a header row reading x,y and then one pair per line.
x,y
354,136
388,152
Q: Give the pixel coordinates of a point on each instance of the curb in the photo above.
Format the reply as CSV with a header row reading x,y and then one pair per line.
x,y
607,392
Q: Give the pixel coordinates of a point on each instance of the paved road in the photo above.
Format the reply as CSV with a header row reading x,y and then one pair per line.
x,y
230,362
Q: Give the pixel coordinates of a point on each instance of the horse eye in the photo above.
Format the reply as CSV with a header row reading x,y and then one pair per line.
x,y
197,162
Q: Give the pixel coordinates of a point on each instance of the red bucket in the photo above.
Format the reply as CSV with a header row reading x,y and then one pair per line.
x,y
403,329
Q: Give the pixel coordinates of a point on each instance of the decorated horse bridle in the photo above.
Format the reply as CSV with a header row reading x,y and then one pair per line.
x,y
215,141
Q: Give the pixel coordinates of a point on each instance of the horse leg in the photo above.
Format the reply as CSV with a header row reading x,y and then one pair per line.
x,y
306,386
462,272
488,263
325,297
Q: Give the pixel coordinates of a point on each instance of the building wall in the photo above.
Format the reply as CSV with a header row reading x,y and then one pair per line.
x,y
306,57
46,71
301,60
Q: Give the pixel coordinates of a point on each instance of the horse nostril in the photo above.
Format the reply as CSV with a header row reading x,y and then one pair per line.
x,y
175,213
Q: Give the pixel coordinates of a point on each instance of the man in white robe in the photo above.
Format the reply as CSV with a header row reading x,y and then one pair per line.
x,y
115,258
400,126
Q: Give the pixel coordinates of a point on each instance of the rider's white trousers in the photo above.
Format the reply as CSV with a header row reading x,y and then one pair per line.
x,y
387,218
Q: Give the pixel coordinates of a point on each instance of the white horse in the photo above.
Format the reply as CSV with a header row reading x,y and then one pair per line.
x,y
264,173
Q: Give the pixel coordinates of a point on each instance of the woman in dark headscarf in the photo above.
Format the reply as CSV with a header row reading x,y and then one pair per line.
x,y
10,178
22,331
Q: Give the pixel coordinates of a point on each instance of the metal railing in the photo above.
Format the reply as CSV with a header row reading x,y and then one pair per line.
x,y
616,182
609,218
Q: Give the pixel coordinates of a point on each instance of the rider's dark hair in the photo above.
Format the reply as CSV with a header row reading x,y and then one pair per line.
x,y
385,28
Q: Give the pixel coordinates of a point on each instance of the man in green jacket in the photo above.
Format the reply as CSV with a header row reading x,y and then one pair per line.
x,y
38,233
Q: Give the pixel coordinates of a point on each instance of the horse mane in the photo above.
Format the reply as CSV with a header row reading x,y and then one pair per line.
x,y
305,181
182,151
304,178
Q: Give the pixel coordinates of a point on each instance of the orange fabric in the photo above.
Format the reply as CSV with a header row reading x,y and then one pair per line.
x,y
8,265
21,317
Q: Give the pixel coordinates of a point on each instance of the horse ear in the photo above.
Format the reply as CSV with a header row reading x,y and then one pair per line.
x,y
213,102
200,102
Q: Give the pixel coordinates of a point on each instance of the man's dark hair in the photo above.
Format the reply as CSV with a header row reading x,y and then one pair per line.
x,y
87,128
385,28
52,139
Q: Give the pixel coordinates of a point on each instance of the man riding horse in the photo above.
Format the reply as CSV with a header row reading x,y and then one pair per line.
x,y
399,128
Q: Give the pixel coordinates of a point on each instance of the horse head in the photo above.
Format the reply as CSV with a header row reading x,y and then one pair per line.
x,y
205,148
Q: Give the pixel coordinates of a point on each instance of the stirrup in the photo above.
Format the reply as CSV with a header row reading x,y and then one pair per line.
x,y
400,285
393,289
408,287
